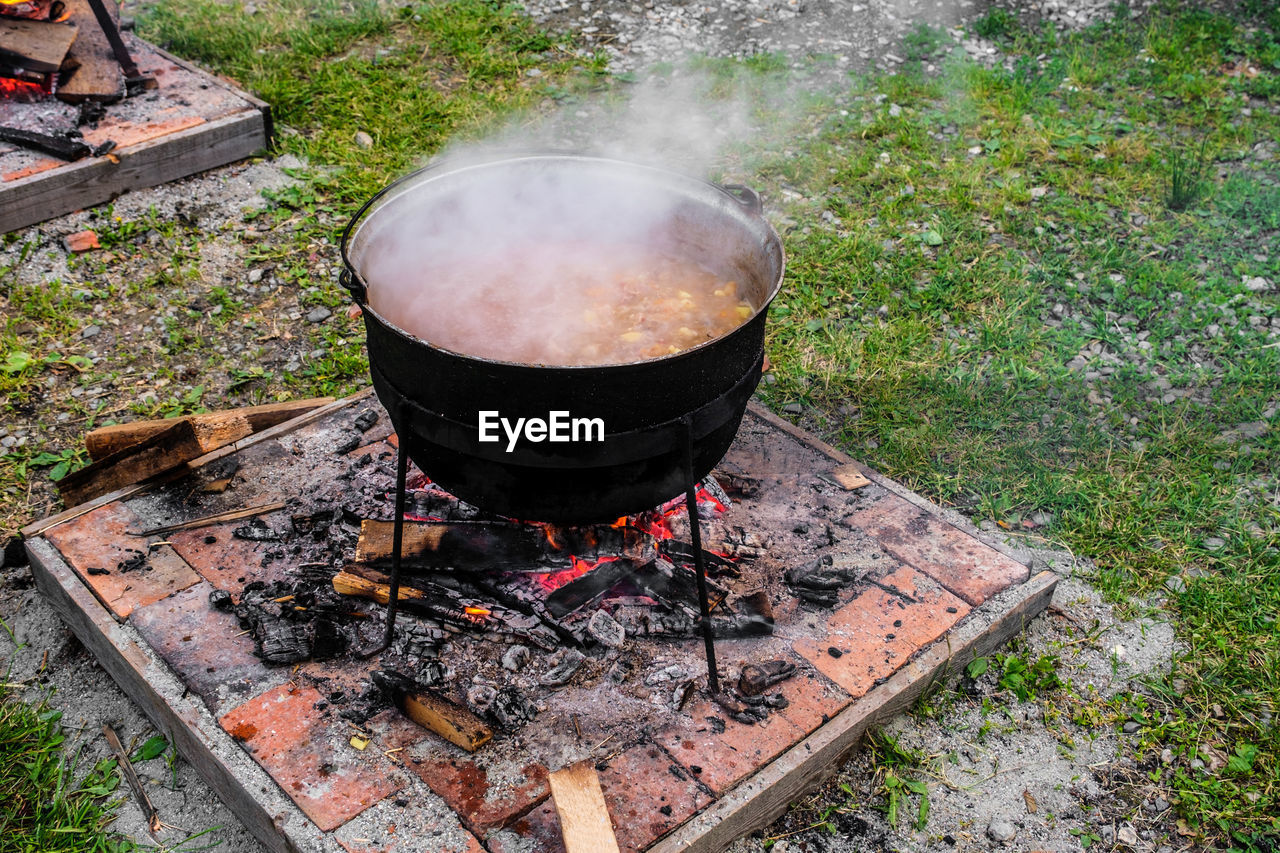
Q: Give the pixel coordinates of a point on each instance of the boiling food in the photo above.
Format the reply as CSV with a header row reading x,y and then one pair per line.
x,y
559,304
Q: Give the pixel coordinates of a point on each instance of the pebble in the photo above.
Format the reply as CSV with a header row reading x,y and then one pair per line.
x,y
364,140
255,275
1127,836
1131,727
1175,584
1001,831
793,408
319,315
1213,543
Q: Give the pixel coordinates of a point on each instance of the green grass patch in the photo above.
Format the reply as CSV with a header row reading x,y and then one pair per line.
x,y
47,803
1015,317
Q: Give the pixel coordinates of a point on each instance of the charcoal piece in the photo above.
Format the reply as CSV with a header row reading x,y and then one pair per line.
x,y
740,710
393,682
511,709
316,521
137,561
777,701
622,669
220,599
819,597
757,678
682,554
431,672
256,530
283,642
680,696
606,629
349,442
481,697
821,575
565,666
516,658
97,570
584,590
365,420
716,725
674,672
328,640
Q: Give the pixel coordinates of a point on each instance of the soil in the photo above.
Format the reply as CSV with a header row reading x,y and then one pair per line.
x,y
999,768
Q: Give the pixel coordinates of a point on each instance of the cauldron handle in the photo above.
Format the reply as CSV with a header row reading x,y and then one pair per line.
x,y
354,286
745,196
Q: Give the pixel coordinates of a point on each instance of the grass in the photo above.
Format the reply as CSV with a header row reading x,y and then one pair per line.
x,y
47,803
1028,299
1040,335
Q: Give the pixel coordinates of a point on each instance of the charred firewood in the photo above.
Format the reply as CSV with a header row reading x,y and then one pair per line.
x,y
564,666
256,530
606,629
726,622
757,678
819,581
589,587
676,585
681,554
512,709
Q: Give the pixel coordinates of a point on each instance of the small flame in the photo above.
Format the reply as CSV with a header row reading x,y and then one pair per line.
x,y
476,611
21,90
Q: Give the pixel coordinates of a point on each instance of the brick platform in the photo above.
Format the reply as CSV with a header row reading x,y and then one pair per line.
x,y
929,597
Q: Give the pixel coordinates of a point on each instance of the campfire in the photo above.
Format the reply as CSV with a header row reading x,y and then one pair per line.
x,y
69,50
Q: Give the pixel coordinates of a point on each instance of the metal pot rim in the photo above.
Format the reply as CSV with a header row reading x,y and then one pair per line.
x,y
744,197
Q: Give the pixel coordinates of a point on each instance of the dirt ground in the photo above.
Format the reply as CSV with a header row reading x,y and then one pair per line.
x,y
1001,773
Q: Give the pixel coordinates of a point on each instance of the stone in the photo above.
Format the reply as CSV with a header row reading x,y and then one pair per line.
x,y
90,331
364,140
1131,728
81,241
1127,836
319,315
1001,831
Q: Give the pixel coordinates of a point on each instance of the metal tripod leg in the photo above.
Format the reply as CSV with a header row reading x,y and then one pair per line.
x,y
695,528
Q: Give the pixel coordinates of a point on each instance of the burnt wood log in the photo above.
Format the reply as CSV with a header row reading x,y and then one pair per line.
x,y
55,146
174,446
484,545
38,46
451,721
212,429
90,71
446,606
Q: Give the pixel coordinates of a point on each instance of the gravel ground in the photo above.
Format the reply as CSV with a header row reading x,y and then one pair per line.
x,y
1017,776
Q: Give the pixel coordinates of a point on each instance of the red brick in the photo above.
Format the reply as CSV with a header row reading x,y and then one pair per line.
x,y
637,786
486,789
873,646
205,647
813,700
309,755
229,563
968,568
726,757
98,539
81,241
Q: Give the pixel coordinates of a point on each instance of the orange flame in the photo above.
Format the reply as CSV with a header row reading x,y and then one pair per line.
x,y
476,611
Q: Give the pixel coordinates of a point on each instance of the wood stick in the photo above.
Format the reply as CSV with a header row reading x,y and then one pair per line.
x,y
216,518
126,767
584,817
169,448
212,429
451,721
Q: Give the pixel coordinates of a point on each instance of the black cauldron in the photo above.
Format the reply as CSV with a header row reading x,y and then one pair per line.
x,y
649,408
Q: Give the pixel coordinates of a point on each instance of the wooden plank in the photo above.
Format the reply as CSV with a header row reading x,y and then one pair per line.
x,y
166,449
91,181
38,46
247,789
212,429
584,817
451,721
97,75
35,528
764,797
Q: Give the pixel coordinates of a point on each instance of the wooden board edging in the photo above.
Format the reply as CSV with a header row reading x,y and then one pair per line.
x,y
764,797
247,790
